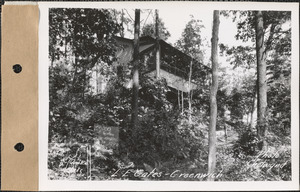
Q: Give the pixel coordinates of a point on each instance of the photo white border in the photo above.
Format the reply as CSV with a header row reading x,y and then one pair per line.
x,y
55,185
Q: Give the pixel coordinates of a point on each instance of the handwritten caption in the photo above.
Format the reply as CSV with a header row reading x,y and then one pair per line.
x,y
266,159
130,171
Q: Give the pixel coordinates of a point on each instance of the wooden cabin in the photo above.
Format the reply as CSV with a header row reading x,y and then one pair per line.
x,y
174,65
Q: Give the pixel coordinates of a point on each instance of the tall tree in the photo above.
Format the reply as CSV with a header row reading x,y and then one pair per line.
x,y
191,43
213,95
261,76
135,71
271,32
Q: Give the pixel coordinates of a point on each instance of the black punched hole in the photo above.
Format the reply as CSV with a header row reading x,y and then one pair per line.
x,y
17,68
19,147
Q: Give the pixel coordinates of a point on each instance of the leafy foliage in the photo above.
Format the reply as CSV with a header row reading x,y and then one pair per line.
x,y
277,50
79,39
149,30
191,42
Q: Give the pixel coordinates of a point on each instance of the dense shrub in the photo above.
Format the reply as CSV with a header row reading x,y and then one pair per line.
x,y
163,133
247,144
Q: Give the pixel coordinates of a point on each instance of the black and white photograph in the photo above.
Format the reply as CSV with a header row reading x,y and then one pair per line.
x,y
161,95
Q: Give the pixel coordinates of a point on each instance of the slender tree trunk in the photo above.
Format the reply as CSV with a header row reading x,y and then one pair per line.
x,y
225,133
178,94
122,22
261,78
83,73
252,111
66,43
157,45
135,72
189,93
182,104
88,163
213,96
76,63
97,80
84,83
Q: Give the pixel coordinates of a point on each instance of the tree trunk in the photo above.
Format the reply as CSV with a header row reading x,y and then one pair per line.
x,y
182,104
261,78
135,71
66,43
213,97
88,163
225,133
178,94
76,63
189,93
122,23
252,111
157,45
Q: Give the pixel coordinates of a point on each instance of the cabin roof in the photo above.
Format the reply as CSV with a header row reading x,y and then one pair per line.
x,y
149,42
